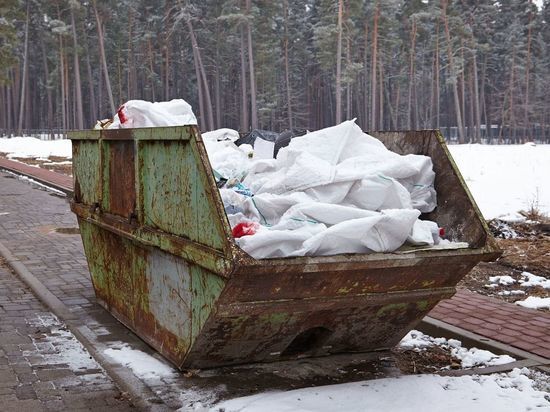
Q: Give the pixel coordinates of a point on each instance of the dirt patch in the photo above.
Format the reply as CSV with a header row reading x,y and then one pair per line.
x,y
428,360
526,248
53,163
68,230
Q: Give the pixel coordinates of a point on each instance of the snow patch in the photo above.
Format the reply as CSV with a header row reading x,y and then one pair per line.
x,y
143,365
511,292
428,393
469,358
534,302
478,357
25,147
63,347
530,280
505,179
502,280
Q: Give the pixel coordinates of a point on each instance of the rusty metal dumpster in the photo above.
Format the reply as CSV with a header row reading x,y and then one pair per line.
x,y
164,263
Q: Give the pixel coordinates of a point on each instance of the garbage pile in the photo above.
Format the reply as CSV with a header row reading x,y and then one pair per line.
x,y
332,191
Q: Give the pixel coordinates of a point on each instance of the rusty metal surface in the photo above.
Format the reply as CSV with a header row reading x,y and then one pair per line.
x,y
163,261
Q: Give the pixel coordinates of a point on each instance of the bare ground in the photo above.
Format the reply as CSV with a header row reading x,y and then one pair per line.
x,y
526,248
53,163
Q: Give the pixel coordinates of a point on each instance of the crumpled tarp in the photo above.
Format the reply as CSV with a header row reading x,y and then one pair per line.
x,y
335,190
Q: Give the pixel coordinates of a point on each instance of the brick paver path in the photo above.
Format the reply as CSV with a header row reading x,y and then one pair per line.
x,y
56,180
526,329
42,365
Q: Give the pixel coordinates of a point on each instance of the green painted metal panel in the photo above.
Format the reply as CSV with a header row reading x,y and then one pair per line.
x,y
86,171
174,196
84,134
206,289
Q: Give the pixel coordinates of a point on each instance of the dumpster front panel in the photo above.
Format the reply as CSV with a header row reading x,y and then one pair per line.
x,y
266,331
159,296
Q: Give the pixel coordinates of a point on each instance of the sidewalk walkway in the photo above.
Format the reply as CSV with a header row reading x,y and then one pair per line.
x,y
56,180
523,328
42,365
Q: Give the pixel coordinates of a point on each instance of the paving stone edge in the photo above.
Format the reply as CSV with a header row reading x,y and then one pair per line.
x,y
67,190
142,396
437,327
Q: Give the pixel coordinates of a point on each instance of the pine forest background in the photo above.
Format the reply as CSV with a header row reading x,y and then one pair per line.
x,y
459,65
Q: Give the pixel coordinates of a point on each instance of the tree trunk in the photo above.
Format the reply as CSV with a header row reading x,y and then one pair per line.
x,y
92,101
287,69
130,83
338,118
208,102
245,125
24,75
348,85
374,57
437,83
254,107
217,92
453,79
410,123
103,57
512,116
366,78
46,82
77,83
526,125
202,110
477,111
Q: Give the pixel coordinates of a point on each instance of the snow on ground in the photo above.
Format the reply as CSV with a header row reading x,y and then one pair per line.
x,y
24,147
143,365
469,358
502,280
530,280
63,347
511,392
534,302
505,179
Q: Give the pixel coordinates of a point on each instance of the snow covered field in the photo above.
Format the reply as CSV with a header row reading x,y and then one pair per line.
x,y
511,392
506,179
30,147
